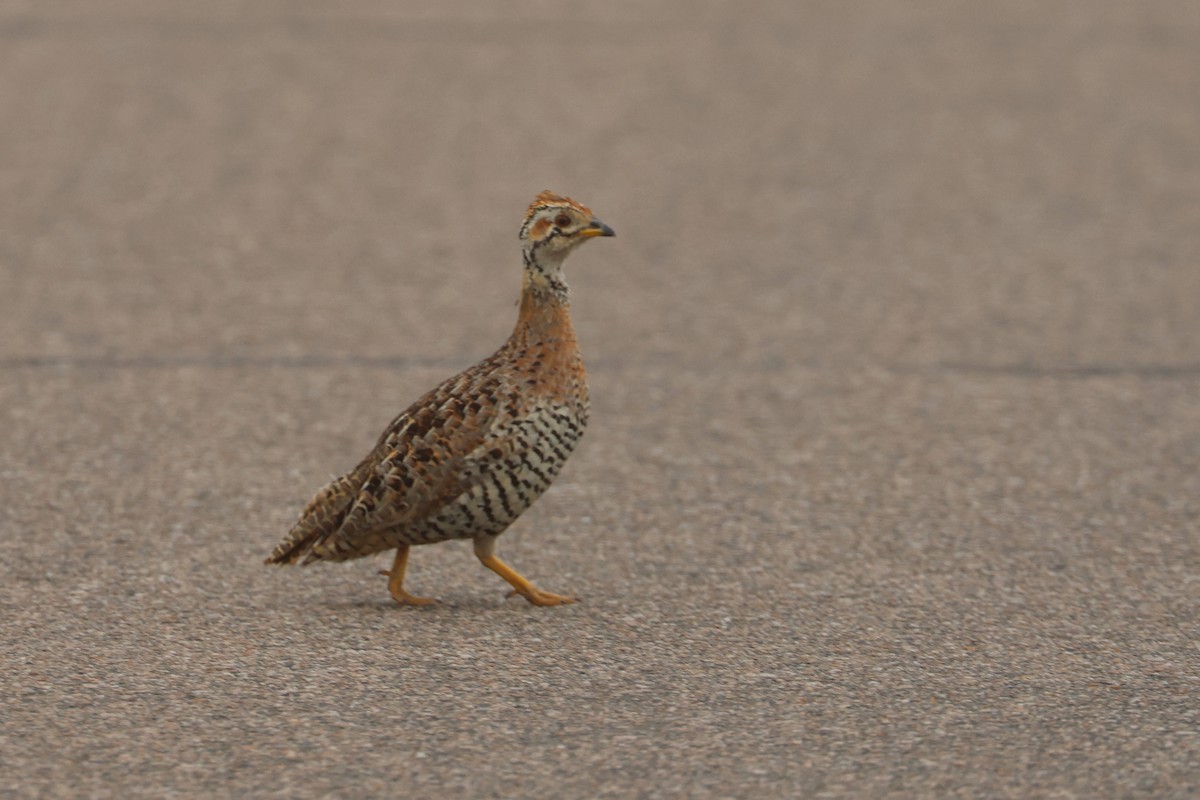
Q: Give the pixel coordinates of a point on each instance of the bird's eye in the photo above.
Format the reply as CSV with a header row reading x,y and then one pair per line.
x,y
562,220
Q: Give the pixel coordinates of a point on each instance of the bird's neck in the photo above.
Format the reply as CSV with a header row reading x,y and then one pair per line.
x,y
544,277
545,301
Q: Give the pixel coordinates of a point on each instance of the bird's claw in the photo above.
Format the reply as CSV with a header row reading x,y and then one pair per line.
x,y
404,598
540,598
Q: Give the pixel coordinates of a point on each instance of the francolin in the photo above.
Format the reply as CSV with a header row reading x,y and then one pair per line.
x,y
468,457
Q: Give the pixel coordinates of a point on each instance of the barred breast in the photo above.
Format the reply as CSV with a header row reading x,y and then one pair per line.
x,y
527,453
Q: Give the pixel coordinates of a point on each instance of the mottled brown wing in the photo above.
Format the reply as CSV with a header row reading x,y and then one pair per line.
x,y
425,459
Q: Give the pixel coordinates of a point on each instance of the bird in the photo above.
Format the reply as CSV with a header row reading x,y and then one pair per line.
x,y
472,454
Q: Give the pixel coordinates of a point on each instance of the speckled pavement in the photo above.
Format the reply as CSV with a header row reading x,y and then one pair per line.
x,y
892,485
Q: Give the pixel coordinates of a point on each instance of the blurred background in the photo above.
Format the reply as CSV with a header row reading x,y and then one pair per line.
x,y
891,486
906,183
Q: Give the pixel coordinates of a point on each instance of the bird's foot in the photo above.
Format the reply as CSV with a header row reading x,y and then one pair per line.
x,y
404,598
540,598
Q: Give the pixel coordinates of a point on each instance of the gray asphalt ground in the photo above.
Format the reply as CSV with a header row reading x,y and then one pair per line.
x,y
892,487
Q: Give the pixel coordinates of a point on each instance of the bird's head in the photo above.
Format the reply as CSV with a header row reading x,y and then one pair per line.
x,y
556,225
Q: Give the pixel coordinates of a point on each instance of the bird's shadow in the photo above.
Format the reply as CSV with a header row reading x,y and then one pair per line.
x,y
474,605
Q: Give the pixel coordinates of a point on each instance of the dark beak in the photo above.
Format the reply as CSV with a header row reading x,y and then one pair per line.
x,y
597,228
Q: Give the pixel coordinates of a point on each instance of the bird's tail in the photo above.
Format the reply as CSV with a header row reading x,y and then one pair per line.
x,y
320,519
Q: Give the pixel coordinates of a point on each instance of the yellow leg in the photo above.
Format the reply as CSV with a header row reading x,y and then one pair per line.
x,y
485,547
396,581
